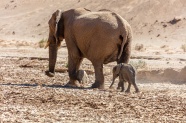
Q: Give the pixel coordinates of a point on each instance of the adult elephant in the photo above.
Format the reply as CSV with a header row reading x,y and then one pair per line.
x,y
101,37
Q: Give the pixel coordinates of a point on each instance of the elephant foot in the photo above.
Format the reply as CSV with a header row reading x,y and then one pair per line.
x,y
118,87
137,91
111,87
97,85
74,84
127,91
49,74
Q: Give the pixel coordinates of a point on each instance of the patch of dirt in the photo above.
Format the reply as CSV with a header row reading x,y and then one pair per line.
x,y
169,74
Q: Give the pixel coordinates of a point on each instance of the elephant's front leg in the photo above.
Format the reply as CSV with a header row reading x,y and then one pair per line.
x,y
99,82
73,67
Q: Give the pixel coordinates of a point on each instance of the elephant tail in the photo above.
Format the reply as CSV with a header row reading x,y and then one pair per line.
x,y
126,50
124,37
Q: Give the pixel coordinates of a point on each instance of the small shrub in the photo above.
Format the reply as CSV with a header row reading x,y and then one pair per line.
x,y
164,46
140,64
139,47
42,43
183,47
66,65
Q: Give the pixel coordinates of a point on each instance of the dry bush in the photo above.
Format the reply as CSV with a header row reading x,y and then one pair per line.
x,y
42,43
157,53
175,20
22,43
139,47
164,46
183,47
140,64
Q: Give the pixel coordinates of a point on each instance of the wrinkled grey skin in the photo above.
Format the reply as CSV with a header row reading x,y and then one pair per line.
x,y
101,37
126,73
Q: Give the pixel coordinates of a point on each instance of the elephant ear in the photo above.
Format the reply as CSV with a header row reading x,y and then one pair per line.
x,y
118,68
124,40
56,32
54,27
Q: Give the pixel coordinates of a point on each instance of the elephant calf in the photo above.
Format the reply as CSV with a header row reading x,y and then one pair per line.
x,y
126,73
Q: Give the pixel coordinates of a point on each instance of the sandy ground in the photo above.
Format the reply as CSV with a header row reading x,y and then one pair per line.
x,y
158,54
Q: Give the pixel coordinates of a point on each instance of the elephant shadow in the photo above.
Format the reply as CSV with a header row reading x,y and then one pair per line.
x,y
44,85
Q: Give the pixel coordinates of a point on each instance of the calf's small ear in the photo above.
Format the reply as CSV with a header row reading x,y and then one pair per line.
x,y
118,68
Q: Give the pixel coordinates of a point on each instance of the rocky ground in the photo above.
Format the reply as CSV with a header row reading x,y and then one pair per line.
x,y
28,95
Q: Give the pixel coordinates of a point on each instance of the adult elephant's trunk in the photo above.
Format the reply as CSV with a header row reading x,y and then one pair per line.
x,y
52,59
56,31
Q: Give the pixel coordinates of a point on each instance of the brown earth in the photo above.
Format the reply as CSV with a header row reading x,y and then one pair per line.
x,y
158,53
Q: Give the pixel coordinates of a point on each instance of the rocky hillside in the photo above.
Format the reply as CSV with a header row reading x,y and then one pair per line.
x,y
150,19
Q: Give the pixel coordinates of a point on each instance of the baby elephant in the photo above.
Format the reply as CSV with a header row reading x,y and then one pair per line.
x,y
126,73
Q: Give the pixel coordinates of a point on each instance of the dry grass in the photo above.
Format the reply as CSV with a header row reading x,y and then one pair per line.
x,y
140,64
164,46
183,47
139,47
42,43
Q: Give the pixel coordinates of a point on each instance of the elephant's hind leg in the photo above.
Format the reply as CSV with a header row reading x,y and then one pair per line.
x,y
99,82
73,67
122,86
134,84
136,88
128,89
